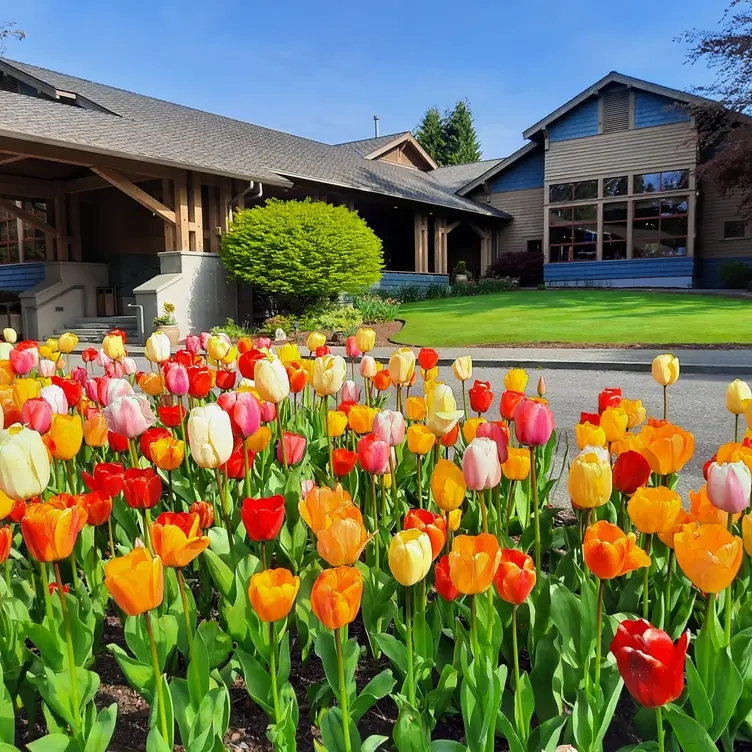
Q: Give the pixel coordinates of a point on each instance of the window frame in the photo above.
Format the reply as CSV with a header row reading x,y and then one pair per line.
x,y
572,224
661,189
744,226
573,185
660,218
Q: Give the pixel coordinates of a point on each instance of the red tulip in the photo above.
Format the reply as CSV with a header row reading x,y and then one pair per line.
x,y
171,415
73,390
515,576
499,434
481,396
108,478
443,581
226,379
631,470
593,418
509,402
450,439
322,350
98,506
205,512
247,363
89,355
295,446
199,381
609,397
148,437
433,525
343,461
373,454
118,443
18,512
427,358
705,467
533,423
650,664
263,518
142,488
351,348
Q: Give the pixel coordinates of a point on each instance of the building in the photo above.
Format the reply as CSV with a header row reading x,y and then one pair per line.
x,y
113,203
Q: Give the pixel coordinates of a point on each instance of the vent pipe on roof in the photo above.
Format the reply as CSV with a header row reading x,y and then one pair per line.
x,y
376,119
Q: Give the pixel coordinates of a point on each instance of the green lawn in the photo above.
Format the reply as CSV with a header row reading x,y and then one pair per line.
x,y
584,316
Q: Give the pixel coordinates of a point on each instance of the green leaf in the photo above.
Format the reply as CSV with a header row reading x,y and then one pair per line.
x,y
7,714
51,743
509,732
411,734
607,713
326,650
198,672
546,736
218,643
380,686
222,575
546,678
446,745
394,650
691,736
332,732
258,683
102,730
140,676
373,743
728,690
698,697
582,722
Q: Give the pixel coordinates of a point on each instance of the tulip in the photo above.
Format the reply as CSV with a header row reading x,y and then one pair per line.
x,y
50,529
136,581
631,470
37,414
665,369
336,596
22,361
117,442
113,346
205,513
55,396
263,518
272,593
351,348
336,423
733,452
98,508
365,339
368,367
433,525
18,512
389,426
67,342
320,503
47,368
415,408
410,556
360,418
609,552
177,538
473,562
669,448
343,462
609,397
108,478
342,537
271,380
729,486
298,378
480,465
67,435
650,664
442,414
667,538
291,449
462,368
193,343
6,542
72,389
382,381
420,440
315,339
654,510
24,463
10,336
373,454
481,396
499,434
171,415
142,489
515,577
210,436
588,434
267,412
329,372
260,440
130,415
176,380
533,423
350,392
448,485
614,422
636,413
110,389
167,453
217,347
25,389
589,481
245,415
515,380
517,465
443,581
89,355
708,555
248,361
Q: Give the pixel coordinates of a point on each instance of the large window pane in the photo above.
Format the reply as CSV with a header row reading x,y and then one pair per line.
x,y
664,233
675,205
584,252
585,190
560,234
561,216
587,213
647,183
615,211
613,250
560,192
675,181
559,253
573,233
616,186
647,208
674,226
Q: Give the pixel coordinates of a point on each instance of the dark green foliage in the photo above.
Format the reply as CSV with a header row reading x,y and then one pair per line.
x,y
302,252
452,139
736,275
413,293
375,309
430,135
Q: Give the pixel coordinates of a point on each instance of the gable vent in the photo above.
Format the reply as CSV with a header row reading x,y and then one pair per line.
x,y
616,110
9,84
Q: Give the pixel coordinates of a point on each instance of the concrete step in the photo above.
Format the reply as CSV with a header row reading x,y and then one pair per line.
x,y
107,322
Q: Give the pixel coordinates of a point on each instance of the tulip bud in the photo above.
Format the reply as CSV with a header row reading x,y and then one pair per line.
x,y
351,348
294,448
480,465
463,368
55,396
373,454
210,436
365,339
193,344
729,486
315,340
389,426
541,386
272,382
350,392
410,556
37,414
329,373
176,380
533,423
10,336
368,367
738,395
114,349
665,369
24,463
67,342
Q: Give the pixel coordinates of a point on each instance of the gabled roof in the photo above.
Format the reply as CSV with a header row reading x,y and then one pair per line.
x,y
373,148
456,176
138,127
614,78
501,164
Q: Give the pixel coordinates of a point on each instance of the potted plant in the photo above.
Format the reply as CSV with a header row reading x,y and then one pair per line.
x,y
460,273
167,323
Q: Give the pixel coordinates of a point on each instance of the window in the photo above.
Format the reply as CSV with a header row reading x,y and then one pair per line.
x,y
616,186
655,182
734,229
8,238
615,218
535,246
580,191
573,233
34,241
660,227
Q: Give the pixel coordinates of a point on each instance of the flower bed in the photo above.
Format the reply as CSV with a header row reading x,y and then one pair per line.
x,y
245,530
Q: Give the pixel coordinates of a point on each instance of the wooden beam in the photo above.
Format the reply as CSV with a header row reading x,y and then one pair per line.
x,y
28,217
213,218
182,229
89,183
168,199
481,232
11,159
74,223
22,187
61,224
136,193
451,227
198,213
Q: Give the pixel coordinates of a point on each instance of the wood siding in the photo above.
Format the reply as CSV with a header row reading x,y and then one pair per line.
x,y
527,209
715,209
665,147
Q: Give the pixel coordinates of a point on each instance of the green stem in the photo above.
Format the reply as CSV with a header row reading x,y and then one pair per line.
x,y
72,480
622,502
282,438
247,466
157,678
74,569
186,454
186,613
7,573
133,453
474,627
376,541
395,497
729,592
147,532
71,652
517,692
409,634
224,506
510,501
536,512
665,403
646,581
109,535
273,670
420,483
669,572
328,436
483,510
343,699
661,732
736,428
46,588
496,497
464,399
598,634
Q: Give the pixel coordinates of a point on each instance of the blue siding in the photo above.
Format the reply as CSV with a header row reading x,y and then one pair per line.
x,y
580,122
710,270
20,277
623,269
651,109
391,281
525,173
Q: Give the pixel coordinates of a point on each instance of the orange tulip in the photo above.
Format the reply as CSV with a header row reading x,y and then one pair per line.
x,y
709,555
150,384
167,453
668,448
336,595
272,593
733,452
95,429
205,512
343,537
433,525
259,441
382,380
515,576
66,435
609,552
473,562
683,519
319,503
630,442
98,507
654,510
177,538
704,511
50,529
136,581
360,418
6,541
415,408
448,485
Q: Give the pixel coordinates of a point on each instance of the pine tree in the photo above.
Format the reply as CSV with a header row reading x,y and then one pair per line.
x,y
462,143
430,135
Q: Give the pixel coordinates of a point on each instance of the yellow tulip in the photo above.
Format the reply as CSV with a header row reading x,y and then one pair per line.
x,y
462,368
260,440
448,486
25,389
329,373
654,510
271,380
315,340
430,374
665,369
67,342
589,481
470,428
515,380
361,418
442,413
420,440
747,533
453,520
517,466
365,339
738,395
410,556
709,555
67,435
217,347
337,422
289,353
589,435
24,463
415,408
614,422
113,346
402,366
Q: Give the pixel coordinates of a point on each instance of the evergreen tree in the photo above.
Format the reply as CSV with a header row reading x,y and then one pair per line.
x,y
462,143
430,135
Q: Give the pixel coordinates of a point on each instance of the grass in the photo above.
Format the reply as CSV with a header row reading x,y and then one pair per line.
x,y
577,316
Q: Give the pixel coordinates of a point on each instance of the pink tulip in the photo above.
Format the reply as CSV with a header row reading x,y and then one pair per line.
x,y
268,412
55,397
80,374
37,414
46,368
367,367
114,369
351,348
129,366
306,486
102,358
295,446
493,431
176,379
193,343
480,465
389,426
227,400
729,486
350,392
262,343
92,389
246,414
203,339
112,389
22,361
129,415
533,423
373,454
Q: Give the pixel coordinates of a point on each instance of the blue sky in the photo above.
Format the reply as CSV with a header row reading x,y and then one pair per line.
x,y
323,69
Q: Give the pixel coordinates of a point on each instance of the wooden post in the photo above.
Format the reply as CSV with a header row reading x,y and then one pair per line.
x,y
74,212
213,219
61,224
225,196
182,232
439,245
421,242
168,199
195,213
